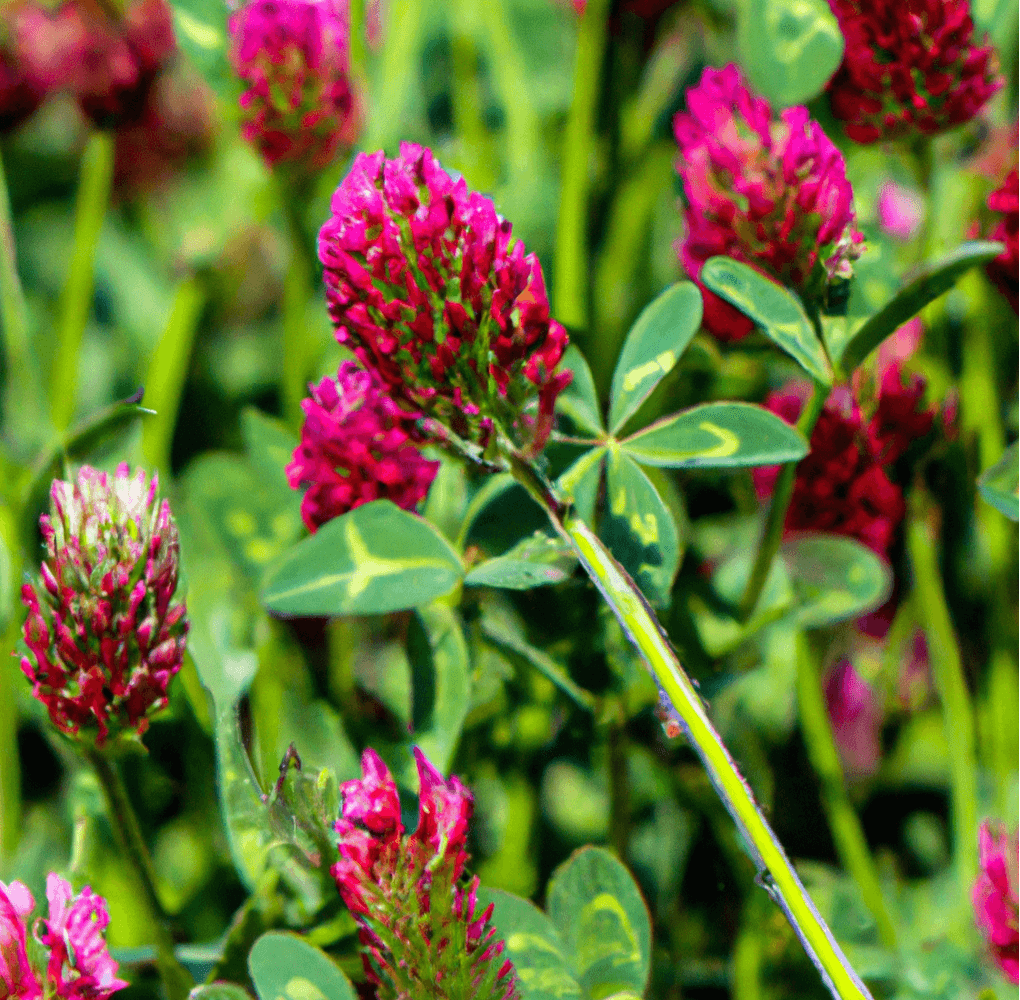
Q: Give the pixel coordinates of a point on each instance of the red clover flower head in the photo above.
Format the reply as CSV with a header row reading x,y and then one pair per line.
x,y
293,57
103,635
909,67
769,191
427,287
995,898
357,445
78,965
420,927
1005,202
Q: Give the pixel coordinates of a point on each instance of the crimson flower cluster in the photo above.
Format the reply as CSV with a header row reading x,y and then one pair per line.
x,y
1004,201
768,191
356,445
104,637
425,284
909,66
293,57
995,898
77,963
419,925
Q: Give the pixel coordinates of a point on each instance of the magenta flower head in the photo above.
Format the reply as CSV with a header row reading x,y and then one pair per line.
x,y
75,962
293,57
1004,201
425,284
909,67
357,445
418,924
995,898
768,191
103,634
856,719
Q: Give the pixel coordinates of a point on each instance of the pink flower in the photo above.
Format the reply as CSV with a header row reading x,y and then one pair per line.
x,y
103,635
444,812
79,967
910,66
995,897
900,210
771,192
1003,271
293,56
356,445
426,286
856,719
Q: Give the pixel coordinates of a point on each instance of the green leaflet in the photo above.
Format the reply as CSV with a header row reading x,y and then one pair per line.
x,y
533,562
201,29
639,529
652,348
790,48
374,559
219,991
998,485
581,483
283,967
932,281
603,922
717,436
776,311
270,446
580,400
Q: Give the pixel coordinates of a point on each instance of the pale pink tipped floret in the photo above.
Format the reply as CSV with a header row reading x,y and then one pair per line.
x,y
856,718
769,191
293,58
995,897
357,445
426,285
1004,201
444,813
104,635
909,67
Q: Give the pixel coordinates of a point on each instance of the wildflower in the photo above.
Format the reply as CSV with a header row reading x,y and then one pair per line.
x,y
104,639
909,67
856,719
420,927
427,288
770,192
995,897
78,965
900,210
293,57
1003,271
356,445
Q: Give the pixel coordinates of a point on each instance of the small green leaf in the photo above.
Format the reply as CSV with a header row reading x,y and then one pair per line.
x,y
581,483
201,29
717,436
534,562
283,967
639,529
374,559
270,447
652,348
790,48
934,280
835,578
776,311
533,946
219,991
596,906
580,400
998,485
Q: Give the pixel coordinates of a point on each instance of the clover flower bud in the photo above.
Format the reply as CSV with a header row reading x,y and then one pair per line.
x,y
357,445
856,718
293,57
104,636
769,191
78,964
909,68
425,284
418,926
1003,271
995,898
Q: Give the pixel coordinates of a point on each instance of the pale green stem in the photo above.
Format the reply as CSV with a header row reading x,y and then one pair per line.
x,y
167,371
775,872
947,672
296,349
12,298
847,833
782,494
747,963
467,98
570,294
10,768
94,186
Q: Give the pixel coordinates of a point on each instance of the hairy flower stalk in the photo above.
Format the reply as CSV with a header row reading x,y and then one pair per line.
x,y
909,67
73,961
357,445
104,635
419,923
293,57
996,900
425,284
768,191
